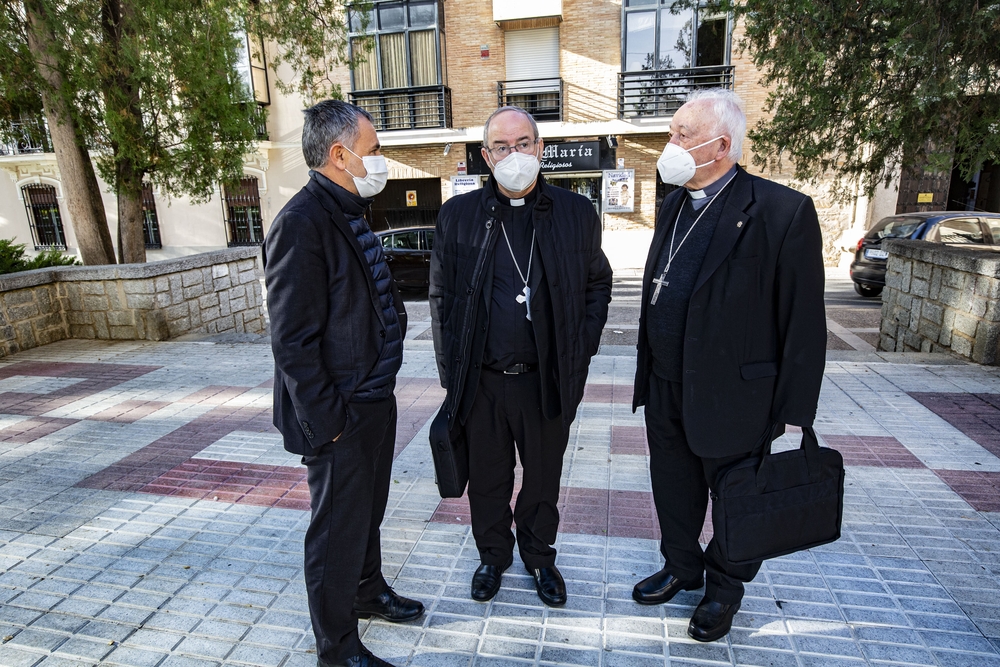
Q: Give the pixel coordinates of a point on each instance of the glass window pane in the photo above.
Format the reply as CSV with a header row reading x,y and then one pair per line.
x,y
391,17
393,60
423,58
357,20
675,39
422,15
429,240
407,241
366,72
640,30
387,241
960,231
711,40
639,3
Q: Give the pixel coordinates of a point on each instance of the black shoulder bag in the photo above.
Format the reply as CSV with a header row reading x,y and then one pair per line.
x,y
451,456
777,504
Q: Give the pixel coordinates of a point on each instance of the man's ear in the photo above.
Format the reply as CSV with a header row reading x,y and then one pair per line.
x,y
336,156
724,145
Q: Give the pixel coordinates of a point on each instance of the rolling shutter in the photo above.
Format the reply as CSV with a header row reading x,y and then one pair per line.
x,y
533,54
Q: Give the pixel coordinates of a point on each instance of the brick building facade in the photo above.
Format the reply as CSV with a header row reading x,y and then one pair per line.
x,y
602,79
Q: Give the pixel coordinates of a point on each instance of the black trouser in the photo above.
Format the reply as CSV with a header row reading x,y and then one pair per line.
x,y
507,413
349,487
681,482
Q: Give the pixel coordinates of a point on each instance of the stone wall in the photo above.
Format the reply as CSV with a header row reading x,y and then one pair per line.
x,y
940,298
212,292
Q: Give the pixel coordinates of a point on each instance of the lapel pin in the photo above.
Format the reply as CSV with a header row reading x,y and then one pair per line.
x,y
739,224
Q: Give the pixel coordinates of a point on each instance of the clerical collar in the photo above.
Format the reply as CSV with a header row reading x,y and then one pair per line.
x,y
526,200
714,187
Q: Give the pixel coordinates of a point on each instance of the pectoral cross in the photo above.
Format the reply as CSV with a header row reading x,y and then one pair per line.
x,y
660,282
525,298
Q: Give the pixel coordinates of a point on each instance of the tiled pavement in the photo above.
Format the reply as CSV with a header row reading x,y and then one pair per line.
x,y
149,517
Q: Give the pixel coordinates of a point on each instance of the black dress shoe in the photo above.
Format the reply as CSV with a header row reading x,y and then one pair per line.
x,y
363,659
390,606
550,585
486,580
661,587
712,620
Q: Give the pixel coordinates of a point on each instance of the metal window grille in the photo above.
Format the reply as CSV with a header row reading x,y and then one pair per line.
x,y
244,224
42,208
150,223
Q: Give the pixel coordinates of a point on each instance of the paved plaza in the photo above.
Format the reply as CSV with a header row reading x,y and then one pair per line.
x,y
149,517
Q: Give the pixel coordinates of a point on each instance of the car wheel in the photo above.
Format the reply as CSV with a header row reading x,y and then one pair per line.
x,y
867,290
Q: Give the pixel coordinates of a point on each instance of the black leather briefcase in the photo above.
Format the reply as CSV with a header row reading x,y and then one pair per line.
x,y
777,504
451,457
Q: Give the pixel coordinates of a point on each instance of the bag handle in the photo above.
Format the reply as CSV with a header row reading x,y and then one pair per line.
x,y
809,444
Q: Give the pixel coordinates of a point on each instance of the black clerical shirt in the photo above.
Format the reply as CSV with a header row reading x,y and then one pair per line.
x,y
510,338
667,318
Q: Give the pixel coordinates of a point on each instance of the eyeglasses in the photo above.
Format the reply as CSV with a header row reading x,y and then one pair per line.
x,y
520,147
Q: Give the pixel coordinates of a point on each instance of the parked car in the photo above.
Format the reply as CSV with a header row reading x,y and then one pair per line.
x,y
408,254
951,227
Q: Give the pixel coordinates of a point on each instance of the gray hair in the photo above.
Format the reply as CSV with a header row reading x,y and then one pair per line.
x,y
486,126
730,120
327,123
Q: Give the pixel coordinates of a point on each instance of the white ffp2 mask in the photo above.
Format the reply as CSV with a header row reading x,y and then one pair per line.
x,y
517,171
676,166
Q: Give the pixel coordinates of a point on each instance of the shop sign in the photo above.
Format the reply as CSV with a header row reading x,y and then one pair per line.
x,y
571,156
411,197
925,197
619,191
462,169
462,184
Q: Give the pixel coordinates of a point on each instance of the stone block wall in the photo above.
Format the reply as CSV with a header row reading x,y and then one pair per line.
x,y
940,298
212,292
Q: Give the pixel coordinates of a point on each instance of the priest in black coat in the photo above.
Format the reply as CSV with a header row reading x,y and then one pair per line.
x,y
732,341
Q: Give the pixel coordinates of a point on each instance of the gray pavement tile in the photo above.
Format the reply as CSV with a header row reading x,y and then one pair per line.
x,y
258,656
828,646
945,623
125,656
448,641
106,631
755,657
959,642
691,650
425,658
15,657
187,661
569,656
507,648
205,648
37,639
954,659
896,654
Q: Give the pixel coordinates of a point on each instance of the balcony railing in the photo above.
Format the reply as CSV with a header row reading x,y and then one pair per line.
x,y
662,92
260,120
542,98
406,108
25,137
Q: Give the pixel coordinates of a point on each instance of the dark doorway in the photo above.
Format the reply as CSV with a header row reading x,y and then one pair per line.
x,y
408,202
982,193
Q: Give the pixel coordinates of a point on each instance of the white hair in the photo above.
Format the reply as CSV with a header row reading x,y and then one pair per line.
x,y
730,120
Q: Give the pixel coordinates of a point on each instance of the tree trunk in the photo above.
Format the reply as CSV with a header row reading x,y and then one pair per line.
x,y
80,188
121,97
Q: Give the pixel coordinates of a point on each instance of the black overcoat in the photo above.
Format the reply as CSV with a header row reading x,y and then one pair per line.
x,y
327,326
755,338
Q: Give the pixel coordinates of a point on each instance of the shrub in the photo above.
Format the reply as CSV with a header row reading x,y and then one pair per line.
x,y
12,258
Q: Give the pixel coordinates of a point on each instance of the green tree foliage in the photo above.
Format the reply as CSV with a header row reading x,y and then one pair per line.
x,y
862,87
153,84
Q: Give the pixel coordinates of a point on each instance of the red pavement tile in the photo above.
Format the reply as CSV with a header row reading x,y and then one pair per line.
x,y
233,482
872,451
980,489
96,378
975,415
214,395
629,440
608,393
417,401
33,428
128,412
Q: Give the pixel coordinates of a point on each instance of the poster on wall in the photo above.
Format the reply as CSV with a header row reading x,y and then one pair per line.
x,y
619,191
411,197
462,184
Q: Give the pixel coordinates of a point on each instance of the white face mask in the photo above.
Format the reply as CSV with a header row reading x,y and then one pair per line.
x,y
676,166
376,176
517,171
